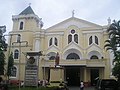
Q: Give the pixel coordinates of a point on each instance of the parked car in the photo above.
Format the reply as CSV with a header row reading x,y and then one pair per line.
x,y
107,84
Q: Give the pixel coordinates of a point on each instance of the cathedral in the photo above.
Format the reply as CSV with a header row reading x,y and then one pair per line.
x,y
71,50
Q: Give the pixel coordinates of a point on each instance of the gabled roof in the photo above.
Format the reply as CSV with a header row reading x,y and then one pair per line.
x,y
74,21
28,10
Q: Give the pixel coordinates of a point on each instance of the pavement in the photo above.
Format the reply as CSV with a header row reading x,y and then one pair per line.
x,y
78,88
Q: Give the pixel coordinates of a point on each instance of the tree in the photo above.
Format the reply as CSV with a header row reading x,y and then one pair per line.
x,y
2,63
10,65
3,47
113,44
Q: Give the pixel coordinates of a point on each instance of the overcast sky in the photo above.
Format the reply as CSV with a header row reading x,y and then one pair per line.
x,y
55,11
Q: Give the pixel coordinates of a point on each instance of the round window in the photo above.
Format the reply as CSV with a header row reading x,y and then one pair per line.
x,y
72,31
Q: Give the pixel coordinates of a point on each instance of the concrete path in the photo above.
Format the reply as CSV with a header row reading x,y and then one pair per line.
x,y
77,88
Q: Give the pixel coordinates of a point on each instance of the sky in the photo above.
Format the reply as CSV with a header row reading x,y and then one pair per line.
x,y
55,11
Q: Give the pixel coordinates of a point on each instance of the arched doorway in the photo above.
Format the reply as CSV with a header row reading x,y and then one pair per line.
x,y
72,72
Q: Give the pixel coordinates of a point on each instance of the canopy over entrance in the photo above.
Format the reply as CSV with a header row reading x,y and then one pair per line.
x,y
33,53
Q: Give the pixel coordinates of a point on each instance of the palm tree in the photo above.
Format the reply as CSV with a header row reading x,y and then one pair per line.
x,y
113,44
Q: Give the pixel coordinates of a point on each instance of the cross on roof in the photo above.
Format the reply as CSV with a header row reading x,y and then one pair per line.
x,y
73,12
29,4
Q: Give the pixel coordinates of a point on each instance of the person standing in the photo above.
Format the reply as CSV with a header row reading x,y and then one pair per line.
x,y
81,85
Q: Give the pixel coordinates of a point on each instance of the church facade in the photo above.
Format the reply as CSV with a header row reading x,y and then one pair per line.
x,y
80,45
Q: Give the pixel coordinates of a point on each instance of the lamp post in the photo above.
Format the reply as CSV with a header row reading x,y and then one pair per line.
x,y
26,44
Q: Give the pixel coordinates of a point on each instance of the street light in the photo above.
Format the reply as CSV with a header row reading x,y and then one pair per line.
x,y
26,44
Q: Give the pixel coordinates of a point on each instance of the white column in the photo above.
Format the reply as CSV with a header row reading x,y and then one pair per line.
x,y
37,45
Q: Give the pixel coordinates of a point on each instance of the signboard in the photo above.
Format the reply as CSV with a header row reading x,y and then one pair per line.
x,y
31,69
31,75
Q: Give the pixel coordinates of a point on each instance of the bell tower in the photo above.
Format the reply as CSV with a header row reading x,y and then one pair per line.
x,y
27,23
26,20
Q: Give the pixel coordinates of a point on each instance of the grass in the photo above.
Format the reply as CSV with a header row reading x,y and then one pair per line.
x,y
32,88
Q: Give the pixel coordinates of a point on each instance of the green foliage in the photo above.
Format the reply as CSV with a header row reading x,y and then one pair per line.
x,y
114,36
3,44
10,64
2,63
3,47
113,44
116,70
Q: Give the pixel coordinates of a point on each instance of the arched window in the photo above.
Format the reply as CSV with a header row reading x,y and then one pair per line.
x,y
13,71
96,40
16,54
94,57
69,38
50,42
21,25
52,58
90,40
76,38
73,56
56,42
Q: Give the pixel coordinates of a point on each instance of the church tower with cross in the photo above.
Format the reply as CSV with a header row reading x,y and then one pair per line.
x,y
78,42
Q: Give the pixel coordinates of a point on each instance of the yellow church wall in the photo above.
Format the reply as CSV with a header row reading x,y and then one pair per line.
x,y
56,74
15,25
28,36
43,44
107,69
30,25
65,39
22,71
60,42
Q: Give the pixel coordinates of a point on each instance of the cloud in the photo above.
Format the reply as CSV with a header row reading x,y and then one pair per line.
x,y
54,11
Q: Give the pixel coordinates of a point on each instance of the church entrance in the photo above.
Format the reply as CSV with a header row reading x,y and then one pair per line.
x,y
94,75
72,76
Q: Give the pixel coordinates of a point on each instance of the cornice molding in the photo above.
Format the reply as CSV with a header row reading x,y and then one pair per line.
x,y
54,33
30,16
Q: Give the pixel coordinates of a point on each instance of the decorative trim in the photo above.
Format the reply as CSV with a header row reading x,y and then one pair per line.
x,y
54,33
31,16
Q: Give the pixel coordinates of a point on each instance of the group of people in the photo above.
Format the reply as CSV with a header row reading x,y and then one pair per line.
x,y
40,83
